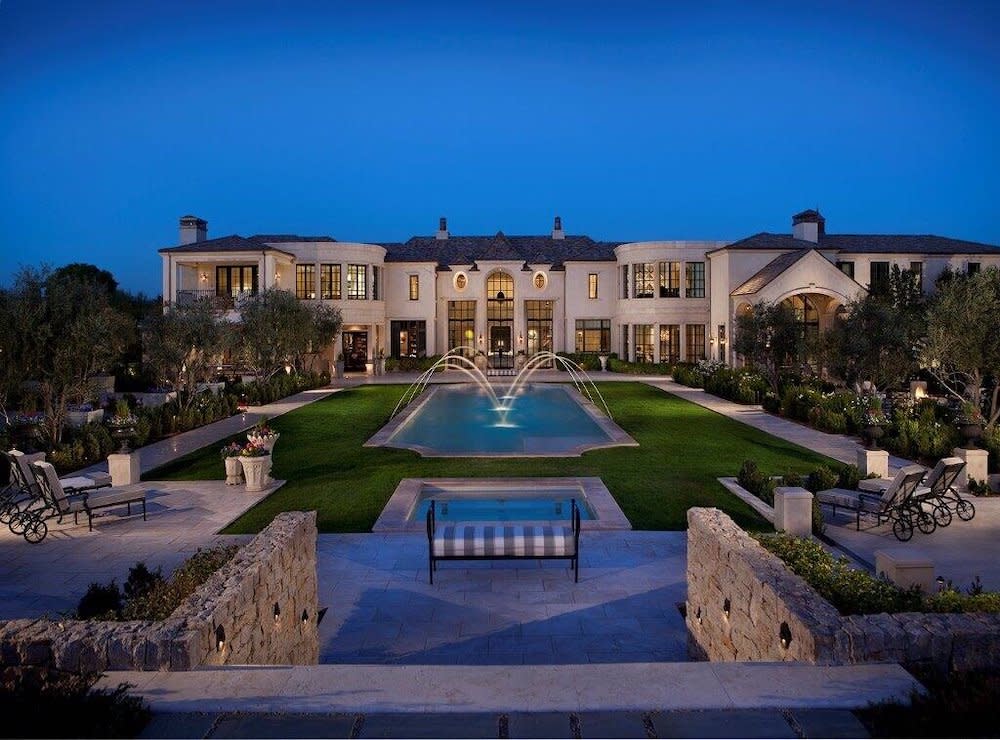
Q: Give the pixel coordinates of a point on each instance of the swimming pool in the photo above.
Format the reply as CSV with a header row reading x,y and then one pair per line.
x,y
513,506
462,420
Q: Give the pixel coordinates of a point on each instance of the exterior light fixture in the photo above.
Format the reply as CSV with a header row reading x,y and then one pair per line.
x,y
277,611
305,616
711,339
726,608
480,340
204,277
785,635
220,638
520,339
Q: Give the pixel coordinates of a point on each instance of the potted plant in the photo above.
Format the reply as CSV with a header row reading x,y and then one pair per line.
x,y
970,424
604,362
339,366
873,422
380,363
256,462
231,457
263,435
122,425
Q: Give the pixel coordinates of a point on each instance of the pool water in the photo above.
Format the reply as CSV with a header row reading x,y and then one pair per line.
x,y
462,420
491,508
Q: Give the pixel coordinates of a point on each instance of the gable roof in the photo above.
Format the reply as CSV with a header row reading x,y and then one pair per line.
x,y
464,250
231,243
770,271
868,244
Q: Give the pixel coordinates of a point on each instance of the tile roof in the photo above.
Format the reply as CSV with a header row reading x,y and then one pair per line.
x,y
464,250
770,271
278,238
868,244
231,243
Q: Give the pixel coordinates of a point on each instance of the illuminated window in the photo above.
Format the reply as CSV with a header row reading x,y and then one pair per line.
x,y
643,279
461,281
539,280
695,276
670,343
329,282
305,281
357,282
643,342
670,279
695,342
414,287
592,285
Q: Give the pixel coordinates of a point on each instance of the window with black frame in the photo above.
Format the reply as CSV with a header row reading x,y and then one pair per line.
x,y
695,342
407,339
233,281
329,282
670,343
878,283
305,281
695,280
670,279
462,324
643,279
538,318
643,342
593,335
357,282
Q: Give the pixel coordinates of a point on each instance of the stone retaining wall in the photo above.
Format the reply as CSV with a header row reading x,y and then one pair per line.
x,y
744,604
260,608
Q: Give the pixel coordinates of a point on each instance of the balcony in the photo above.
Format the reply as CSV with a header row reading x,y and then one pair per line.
x,y
219,302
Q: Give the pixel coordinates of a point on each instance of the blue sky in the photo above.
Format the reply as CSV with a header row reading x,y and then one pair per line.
x,y
369,120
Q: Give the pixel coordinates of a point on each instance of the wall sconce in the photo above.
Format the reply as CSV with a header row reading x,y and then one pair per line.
x,y
480,340
711,339
697,615
726,608
220,638
305,616
204,277
520,340
277,612
785,635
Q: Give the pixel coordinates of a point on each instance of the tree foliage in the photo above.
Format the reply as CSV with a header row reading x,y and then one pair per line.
x,y
277,330
182,345
962,346
769,337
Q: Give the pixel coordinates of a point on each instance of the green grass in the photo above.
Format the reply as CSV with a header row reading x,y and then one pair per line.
x,y
682,449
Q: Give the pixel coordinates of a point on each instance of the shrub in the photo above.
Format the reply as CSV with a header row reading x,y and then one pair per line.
x,y
738,385
771,403
686,375
141,580
756,482
848,477
100,601
821,479
164,596
638,368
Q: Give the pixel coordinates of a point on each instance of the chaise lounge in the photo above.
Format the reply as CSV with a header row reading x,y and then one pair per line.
x,y
895,504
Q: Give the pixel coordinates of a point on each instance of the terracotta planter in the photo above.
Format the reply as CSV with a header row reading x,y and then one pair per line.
x,y
257,471
234,471
267,442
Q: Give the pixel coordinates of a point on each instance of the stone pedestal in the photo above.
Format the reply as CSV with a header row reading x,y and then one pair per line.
x,y
793,511
976,466
124,468
906,567
873,462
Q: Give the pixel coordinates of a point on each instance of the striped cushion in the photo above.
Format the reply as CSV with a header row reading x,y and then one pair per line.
x,y
853,500
470,540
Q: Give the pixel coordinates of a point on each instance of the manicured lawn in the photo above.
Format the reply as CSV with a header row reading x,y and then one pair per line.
x,y
682,449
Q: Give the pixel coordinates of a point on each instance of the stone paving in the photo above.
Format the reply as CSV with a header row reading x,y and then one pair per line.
x,y
383,610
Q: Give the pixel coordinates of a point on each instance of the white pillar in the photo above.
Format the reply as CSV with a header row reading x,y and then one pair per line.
x,y
976,466
124,468
906,567
793,511
873,462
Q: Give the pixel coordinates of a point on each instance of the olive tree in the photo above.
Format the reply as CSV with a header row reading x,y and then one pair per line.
x,y
962,346
182,344
769,337
277,330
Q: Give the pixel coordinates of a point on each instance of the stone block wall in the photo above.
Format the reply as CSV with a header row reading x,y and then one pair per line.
x,y
774,615
231,618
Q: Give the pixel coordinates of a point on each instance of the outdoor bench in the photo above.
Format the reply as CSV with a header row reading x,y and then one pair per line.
x,y
467,541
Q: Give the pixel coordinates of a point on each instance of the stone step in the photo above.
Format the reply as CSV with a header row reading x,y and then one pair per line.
x,y
536,688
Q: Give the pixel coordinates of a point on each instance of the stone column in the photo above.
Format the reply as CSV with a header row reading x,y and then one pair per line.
x,y
124,468
976,466
793,511
873,462
906,567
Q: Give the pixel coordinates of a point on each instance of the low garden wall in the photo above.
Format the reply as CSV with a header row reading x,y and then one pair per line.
x,y
744,604
259,608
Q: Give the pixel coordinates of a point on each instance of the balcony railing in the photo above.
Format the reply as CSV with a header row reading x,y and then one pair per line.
x,y
220,302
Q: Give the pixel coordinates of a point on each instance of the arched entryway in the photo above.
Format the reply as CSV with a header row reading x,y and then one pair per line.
x,y
500,320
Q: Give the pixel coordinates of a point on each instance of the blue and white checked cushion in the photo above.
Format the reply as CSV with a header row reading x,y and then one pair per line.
x,y
466,540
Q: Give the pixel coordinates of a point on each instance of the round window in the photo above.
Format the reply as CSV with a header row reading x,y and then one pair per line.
x,y
540,280
461,281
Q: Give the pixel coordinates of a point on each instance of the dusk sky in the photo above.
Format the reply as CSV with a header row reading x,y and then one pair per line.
x,y
369,120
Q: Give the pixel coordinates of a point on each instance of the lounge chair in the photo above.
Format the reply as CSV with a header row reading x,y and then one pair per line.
x,y
937,490
59,502
23,493
894,505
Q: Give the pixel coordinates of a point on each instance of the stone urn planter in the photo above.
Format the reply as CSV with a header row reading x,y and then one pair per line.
x,y
267,441
122,434
604,362
234,471
971,432
257,471
871,435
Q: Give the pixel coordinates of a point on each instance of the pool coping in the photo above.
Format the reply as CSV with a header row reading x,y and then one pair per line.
x,y
395,515
618,437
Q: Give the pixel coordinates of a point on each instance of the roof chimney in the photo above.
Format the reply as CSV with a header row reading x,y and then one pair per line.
x,y
557,230
193,229
442,228
808,226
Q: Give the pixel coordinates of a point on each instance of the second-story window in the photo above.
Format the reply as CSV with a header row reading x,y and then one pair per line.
x,y
357,282
847,268
235,280
624,281
917,268
414,287
972,268
878,282
592,285
642,279
305,282
695,283
670,280
376,274
329,282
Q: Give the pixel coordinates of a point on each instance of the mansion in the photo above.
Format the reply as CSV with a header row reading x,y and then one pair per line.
x,y
650,301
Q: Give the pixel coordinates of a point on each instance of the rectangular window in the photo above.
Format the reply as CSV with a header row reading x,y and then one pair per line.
x,y
461,324
670,279
305,282
414,287
329,282
592,285
357,282
972,268
538,323
695,342
376,280
722,342
593,335
917,268
695,274
624,281
670,343
625,342
643,278
643,342
233,281
407,339
847,268
878,283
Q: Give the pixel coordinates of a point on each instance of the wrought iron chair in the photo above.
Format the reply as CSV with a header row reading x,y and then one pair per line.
x,y
896,505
